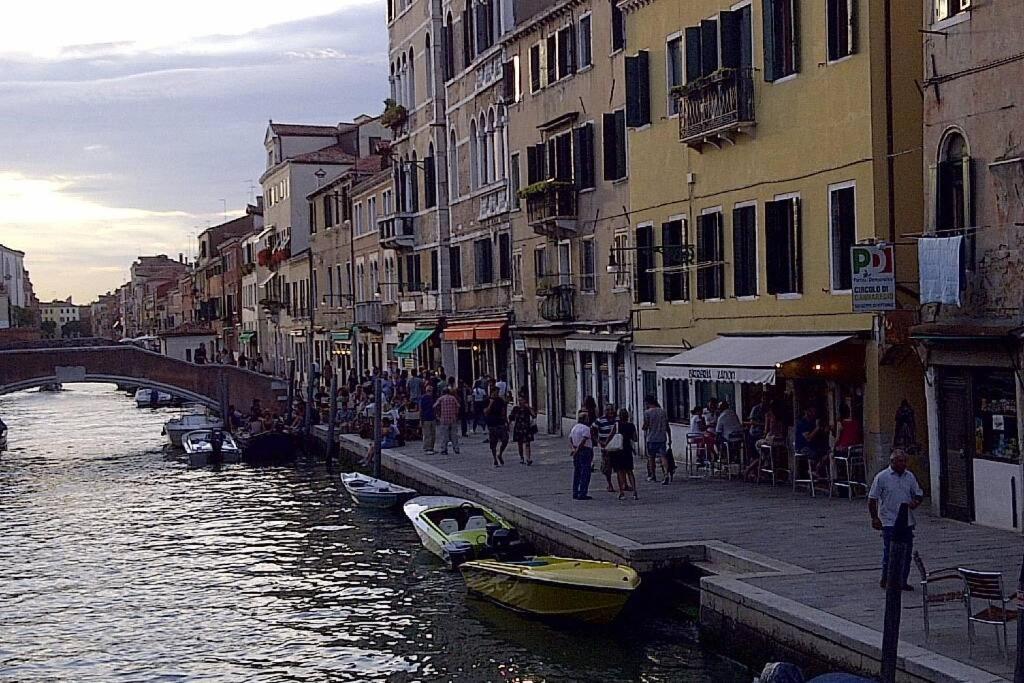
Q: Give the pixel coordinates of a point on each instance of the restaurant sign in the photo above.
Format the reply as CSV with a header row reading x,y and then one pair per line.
x,y
745,375
874,277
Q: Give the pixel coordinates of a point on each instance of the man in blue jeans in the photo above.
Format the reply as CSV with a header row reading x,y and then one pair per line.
x,y
891,488
581,440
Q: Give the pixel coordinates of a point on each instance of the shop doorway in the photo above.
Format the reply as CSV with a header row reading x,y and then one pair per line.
x,y
956,447
467,373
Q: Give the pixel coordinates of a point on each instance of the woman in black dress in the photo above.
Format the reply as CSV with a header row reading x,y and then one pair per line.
x,y
523,428
622,461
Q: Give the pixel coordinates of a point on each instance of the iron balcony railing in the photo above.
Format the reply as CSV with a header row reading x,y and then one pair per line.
x,y
716,103
559,303
551,202
369,313
397,230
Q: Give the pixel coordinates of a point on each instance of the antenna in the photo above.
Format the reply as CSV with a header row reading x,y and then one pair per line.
x,y
224,204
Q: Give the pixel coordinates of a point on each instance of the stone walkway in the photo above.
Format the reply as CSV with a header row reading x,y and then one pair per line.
x,y
831,539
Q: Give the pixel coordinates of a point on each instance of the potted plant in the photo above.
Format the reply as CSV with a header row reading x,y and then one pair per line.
x,y
395,115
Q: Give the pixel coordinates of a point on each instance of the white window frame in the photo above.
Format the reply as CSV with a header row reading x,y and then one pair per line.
x,y
517,273
851,31
757,250
564,278
831,233
622,279
793,296
591,240
580,66
720,210
668,72
685,220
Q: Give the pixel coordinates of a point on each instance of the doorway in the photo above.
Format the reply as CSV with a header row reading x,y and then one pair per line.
x,y
956,446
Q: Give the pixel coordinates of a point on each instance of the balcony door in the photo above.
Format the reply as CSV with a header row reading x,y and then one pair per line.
x,y
564,263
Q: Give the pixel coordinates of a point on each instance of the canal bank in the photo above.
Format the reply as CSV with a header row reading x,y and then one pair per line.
x,y
787,576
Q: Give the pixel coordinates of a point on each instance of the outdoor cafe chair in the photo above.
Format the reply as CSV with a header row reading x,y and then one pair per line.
x,y
933,594
852,462
987,588
697,454
769,465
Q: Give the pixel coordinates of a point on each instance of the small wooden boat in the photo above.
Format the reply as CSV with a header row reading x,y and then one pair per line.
x,y
270,448
446,525
178,427
556,587
200,447
374,493
152,398
56,386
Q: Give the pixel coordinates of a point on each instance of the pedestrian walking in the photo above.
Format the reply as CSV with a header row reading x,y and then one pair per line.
x,y
581,443
464,396
622,459
446,410
891,488
605,430
427,424
524,428
479,402
496,418
659,440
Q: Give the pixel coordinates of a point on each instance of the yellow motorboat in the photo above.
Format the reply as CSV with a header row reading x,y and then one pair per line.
x,y
594,592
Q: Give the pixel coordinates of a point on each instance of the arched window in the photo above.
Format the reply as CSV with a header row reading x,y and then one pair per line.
x,y
414,188
953,187
430,179
394,82
449,49
474,157
482,145
403,81
412,81
453,165
494,133
428,55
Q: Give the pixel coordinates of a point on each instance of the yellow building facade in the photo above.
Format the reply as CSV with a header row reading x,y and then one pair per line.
x,y
782,132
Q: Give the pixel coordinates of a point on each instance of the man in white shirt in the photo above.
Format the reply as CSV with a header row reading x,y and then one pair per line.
x,y
891,488
581,441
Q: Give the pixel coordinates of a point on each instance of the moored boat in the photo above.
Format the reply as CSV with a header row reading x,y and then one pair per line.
x,y
446,524
270,448
374,493
3,441
150,398
54,386
178,427
199,445
555,587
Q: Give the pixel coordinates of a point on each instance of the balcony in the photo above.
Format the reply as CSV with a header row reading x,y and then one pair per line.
x,y
559,303
369,313
494,202
551,208
715,108
397,231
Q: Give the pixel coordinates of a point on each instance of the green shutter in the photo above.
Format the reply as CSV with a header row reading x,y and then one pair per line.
x,y
768,18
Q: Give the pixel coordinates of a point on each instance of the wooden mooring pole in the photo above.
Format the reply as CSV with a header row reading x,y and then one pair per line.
x,y
291,392
332,420
899,560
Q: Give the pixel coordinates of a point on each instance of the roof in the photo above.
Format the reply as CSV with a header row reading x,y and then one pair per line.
x,y
335,154
303,129
358,174
189,330
964,331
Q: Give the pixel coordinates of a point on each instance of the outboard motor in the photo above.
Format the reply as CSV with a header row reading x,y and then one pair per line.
x,y
457,552
491,528
780,672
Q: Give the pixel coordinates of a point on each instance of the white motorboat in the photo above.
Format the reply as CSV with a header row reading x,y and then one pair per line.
x,y
180,426
148,398
444,524
374,493
199,446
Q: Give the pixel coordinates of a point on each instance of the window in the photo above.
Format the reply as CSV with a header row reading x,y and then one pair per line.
x,y
371,213
515,181
783,249
701,50
588,265
566,51
586,42
358,208
638,90
677,400
615,145
455,266
583,156
414,281
540,263
505,256
474,157
564,263
511,91
710,255
744,250
675,282
944,9
842,210
467,37
953,191
453,166
448,46
644,288
781,39
535,73
483,251
619,245
517,273
618,27
841,29
560,157
551,58
674,71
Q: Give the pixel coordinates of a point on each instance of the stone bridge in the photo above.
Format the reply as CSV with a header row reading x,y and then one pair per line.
x,y
32,364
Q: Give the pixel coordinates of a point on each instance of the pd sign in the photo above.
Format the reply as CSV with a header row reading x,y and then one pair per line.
x,y
874,278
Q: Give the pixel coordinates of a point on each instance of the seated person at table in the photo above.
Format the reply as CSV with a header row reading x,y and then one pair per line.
x,y
697,433
850,431
812,440
729,426
388,433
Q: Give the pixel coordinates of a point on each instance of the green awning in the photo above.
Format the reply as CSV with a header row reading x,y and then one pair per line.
x,y
413,342
246,337
342,336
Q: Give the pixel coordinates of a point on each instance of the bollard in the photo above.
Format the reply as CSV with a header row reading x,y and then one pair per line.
x,y
899,558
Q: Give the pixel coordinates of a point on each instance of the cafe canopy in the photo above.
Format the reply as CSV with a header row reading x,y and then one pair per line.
x,y
749,359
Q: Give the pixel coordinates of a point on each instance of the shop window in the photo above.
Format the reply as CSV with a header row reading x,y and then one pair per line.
x,y
676,282
677,400
781,39
649,384
783,251
570,402
744,250
995,415
842,24
843,233
644,286
710,256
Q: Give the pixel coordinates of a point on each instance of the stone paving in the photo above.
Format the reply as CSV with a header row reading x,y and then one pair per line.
x,y
832,539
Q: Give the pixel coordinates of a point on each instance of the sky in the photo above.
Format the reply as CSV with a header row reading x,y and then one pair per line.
x,y
128,127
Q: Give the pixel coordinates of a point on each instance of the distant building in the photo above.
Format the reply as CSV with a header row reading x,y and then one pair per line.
x,y
15,287
103,315
147,274
60,313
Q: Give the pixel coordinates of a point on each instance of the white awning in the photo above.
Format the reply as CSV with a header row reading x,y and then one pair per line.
x,y
594,342
752,360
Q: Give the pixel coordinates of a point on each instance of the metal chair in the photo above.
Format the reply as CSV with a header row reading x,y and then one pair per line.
x,y
799,457
932,596
988,588
697,454
852,461
730,452
768,464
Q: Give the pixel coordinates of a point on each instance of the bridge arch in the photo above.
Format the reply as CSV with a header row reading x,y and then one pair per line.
x,y
176,391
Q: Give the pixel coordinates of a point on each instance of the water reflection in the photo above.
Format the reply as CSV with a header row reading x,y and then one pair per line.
x,y
119,563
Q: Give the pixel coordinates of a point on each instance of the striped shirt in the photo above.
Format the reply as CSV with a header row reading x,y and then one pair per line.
x,y
605,427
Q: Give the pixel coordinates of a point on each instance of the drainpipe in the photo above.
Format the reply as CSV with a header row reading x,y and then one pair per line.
x,y
889,133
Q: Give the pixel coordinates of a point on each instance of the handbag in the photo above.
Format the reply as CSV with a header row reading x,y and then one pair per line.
x,y
670,460
614,444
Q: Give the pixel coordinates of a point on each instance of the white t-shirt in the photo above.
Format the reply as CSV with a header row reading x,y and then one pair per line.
x,y
892,490
580,434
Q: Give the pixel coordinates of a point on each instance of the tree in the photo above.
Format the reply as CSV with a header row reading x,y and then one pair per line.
x,y
49,329
22,317
75,329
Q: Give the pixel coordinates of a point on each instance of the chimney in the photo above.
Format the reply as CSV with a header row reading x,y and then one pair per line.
x,y
181,257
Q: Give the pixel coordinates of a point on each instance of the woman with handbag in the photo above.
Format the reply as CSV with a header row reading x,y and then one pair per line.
x,y
621,448
524,428
605,426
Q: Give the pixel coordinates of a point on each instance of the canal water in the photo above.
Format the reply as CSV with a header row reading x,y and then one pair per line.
x,y
119,564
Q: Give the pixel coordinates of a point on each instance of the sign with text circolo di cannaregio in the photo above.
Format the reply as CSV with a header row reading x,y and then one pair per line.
x,y
874,277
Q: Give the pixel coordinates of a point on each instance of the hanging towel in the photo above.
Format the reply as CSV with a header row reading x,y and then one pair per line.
x,y
939,262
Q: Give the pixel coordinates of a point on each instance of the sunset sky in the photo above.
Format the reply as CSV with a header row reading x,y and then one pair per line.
x,y
126,124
